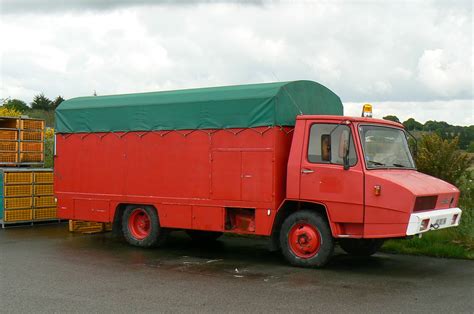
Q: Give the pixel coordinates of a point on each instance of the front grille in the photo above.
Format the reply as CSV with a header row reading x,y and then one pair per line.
x,y
425,203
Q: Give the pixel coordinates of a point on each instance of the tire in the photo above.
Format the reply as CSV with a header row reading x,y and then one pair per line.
x,y
141,226
203,236
306,239
361,247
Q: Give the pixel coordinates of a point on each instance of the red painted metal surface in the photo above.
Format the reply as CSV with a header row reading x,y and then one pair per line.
x,y
189,176
304,240
200,179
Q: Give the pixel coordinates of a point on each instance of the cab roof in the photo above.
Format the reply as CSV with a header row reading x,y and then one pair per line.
x,y
352,119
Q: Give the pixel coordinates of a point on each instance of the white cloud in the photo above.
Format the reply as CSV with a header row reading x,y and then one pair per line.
x,y
444,76
409,51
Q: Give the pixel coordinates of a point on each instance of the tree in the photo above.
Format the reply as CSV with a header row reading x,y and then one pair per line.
x,y
16,104
391,118
413,125
9,112
57,101
42,102
470,148
442,158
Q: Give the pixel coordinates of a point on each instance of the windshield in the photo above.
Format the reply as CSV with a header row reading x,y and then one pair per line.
x,y
385,147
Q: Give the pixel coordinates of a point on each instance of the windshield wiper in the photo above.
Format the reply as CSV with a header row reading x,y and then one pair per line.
x,y
376,163
399,165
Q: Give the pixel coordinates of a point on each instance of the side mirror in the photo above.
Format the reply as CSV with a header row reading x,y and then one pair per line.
x,y
344,144
345,159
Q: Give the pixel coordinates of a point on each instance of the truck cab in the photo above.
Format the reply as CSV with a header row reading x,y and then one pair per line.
x,y
362,173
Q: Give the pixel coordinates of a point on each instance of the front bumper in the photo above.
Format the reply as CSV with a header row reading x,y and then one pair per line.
x,y
438,219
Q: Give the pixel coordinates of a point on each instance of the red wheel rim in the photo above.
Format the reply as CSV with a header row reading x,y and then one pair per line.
x,y
304,240
139,224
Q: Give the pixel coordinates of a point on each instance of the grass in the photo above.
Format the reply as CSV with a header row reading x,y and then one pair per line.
x,y
447,243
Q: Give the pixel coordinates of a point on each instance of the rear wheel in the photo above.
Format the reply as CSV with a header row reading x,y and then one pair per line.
x,y
203,236
361,247
306,239
141,226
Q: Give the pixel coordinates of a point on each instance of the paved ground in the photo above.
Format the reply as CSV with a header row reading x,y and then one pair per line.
x,y
47,269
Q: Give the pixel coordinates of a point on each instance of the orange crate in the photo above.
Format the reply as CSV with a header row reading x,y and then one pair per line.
x,y
31,146
31,135
18,202
17,190
32,124
43,189
8,135
8,157
9,123
88,226
45,213
44,177
44,201
18,178
8,146
31,157
18,215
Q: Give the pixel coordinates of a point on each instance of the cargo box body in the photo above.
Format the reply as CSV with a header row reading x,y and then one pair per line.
x,y
211,159
194,178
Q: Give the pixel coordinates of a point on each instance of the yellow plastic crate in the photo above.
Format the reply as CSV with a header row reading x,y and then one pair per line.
x,y
17,190
31,157
31,135
44,177
18,215
18,178
9,123
17,202
44,201
8,135
43,189
31,146
88,226
8,157
8,146
45,213
32,124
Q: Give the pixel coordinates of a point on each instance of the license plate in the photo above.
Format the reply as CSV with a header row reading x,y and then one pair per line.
x,y
441,221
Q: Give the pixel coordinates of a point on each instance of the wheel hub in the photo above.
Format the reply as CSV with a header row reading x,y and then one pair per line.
x,y
139,224
304,240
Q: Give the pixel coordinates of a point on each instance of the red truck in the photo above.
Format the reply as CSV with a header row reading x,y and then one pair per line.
x,y
276,160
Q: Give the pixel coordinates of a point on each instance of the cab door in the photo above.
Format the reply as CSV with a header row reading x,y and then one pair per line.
x,y
323,178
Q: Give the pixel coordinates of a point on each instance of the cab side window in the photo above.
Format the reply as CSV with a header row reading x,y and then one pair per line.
x,y
327,143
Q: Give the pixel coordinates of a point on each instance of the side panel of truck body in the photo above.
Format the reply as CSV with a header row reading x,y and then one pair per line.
x,y
193,178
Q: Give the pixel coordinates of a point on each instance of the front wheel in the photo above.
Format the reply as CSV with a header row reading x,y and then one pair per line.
x,y
141,226
306,239
361,247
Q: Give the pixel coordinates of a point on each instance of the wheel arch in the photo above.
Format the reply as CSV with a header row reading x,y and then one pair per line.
x,y
120,209
287,208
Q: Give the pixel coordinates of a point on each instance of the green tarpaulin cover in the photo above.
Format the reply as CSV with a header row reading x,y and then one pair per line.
x,y
242,106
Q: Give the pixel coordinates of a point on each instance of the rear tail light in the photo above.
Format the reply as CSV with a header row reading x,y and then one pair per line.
x,y
424,224
455,218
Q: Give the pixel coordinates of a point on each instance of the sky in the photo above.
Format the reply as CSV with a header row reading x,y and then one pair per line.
x,y
407,58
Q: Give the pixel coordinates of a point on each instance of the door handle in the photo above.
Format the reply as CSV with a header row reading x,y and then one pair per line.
x,y
306,171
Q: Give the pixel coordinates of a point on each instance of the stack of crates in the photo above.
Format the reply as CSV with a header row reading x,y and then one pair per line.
x,y
21,142
27,195
26,191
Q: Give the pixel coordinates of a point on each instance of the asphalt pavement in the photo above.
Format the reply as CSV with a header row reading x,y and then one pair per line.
x,y
47,269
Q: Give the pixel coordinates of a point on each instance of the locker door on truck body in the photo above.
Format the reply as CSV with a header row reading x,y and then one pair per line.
x,y
322,175
257,175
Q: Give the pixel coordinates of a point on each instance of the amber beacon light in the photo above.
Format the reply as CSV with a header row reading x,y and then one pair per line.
x,y
367,111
